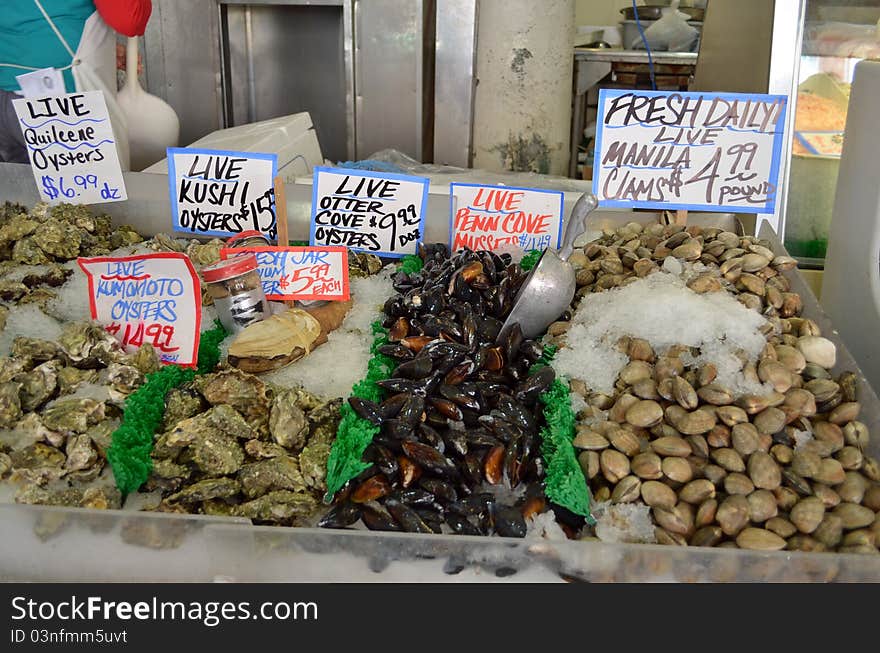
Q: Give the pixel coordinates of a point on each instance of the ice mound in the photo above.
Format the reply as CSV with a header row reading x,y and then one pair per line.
x,y
623,522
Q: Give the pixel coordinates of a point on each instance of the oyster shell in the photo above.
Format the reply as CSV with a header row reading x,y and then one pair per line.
x,y
281,473
38,385
28,252
71,415
260,449
287,423
88,346
80,453
181,403
58,238
124,235
17,229
71,378
145,359
10,404
205,253
123,379
211,488
10,366
313,464
34,349
363,264
221,421
215,453
12,291
37,464
280,507
30,430
243,392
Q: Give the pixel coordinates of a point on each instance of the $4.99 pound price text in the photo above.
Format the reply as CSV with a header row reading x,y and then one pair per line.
x,y
55,188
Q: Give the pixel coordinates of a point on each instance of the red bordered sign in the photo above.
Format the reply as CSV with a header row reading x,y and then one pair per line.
x,y
149,298
304,273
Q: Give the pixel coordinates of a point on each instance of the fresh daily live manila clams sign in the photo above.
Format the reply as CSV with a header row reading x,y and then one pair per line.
x,y
221,193
151,298
304,273
72,149
493,217
701,151
373,212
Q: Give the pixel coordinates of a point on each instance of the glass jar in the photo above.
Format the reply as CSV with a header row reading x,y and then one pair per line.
x,y
249,239
235,286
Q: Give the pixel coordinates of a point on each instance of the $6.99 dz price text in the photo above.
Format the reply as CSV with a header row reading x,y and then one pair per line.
x,y
55,188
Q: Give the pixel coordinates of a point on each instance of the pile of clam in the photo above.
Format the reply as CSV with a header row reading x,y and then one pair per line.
x,y
788,469
458,446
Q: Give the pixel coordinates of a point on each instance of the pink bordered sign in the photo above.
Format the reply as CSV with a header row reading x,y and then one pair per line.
x,y
303,273
149,298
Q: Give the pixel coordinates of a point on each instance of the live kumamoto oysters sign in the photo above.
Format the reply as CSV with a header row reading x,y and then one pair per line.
x,y
700,151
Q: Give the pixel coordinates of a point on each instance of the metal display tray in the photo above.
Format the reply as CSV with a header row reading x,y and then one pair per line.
x,y
41,543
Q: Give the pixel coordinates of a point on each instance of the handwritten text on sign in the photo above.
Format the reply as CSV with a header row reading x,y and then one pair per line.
x,y
366,211
219,193
72,148
493,217
688,150
290,273
151,298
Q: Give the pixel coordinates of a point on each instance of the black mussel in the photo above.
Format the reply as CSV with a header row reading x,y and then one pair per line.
x,y
436,418
408,518
472,467
516,413
384,459
412,410
391,406
429,384
429,458
440,348
446,407
437,326
493,465
394,307
488,328
469,330
373,488
396,350
454,393
432,302
410,472
398,385
509,521
341,515
512,340
433,518
518,370
414,496
503,430
472,270
368,473
470,417
378,520
480,437
512,454
417,368
456,441
396,429
447,363
532,506
461,525
416,343
566,517
490,389
392,444
531,349
530,388
461,289
367,409
533,470
442,490
432,437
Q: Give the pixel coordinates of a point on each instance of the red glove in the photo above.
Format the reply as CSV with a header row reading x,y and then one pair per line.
x,y
127,17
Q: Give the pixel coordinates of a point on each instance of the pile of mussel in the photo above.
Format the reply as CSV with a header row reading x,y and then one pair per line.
x,y
458,449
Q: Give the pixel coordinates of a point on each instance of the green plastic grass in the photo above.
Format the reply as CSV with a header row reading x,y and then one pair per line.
x,y
530,260
132,441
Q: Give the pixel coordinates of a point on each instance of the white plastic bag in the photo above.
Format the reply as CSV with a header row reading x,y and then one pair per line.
x,y
672,32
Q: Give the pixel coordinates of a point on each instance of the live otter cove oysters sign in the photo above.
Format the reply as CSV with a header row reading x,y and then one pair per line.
x,y
700,151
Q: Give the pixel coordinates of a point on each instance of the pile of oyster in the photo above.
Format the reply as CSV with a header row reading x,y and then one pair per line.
x,y
59,404
786,469
232,445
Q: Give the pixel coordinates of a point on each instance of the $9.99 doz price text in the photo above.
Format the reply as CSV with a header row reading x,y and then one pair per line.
x,y
59,187
333,222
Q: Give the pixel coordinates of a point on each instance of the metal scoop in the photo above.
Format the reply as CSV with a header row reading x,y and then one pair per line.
x,y
550,286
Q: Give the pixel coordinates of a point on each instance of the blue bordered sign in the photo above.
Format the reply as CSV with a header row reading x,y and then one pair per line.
x,y
499,217
222,193
376,212
696,151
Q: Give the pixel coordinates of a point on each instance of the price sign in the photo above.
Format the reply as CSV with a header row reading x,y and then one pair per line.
x,y
366,211
220,193
72,149
493,217
700,151
150,298
304,273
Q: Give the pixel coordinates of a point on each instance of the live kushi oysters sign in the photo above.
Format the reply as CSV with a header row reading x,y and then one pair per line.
x,y
700,151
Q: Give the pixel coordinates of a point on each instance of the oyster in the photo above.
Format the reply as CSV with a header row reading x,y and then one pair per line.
x,y
181,403
165,468
145,359
17,229
205,253
5,464
287,423
54,276
12,291
102,435
38,385
154,533
324,421
124,235
10,366
216,453
10,404
101,498
4,313
222,421
313,464
80,453
281,473
280,507
71,378
88,345
243,392
73,414
164,242
363,264
37,464
34,349
124,379
30,430
59,239
28,252
211,488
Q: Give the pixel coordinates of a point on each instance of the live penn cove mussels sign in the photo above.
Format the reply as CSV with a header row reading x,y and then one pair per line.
x,y
379,213
222,193
72,149
700,151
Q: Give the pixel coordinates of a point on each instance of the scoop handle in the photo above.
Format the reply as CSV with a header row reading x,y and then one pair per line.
x,y
577,223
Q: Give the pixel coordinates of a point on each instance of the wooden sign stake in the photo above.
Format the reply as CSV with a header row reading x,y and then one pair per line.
x,y
281,212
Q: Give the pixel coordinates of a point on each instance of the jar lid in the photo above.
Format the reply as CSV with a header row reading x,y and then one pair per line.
x,y
237,239
232,267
